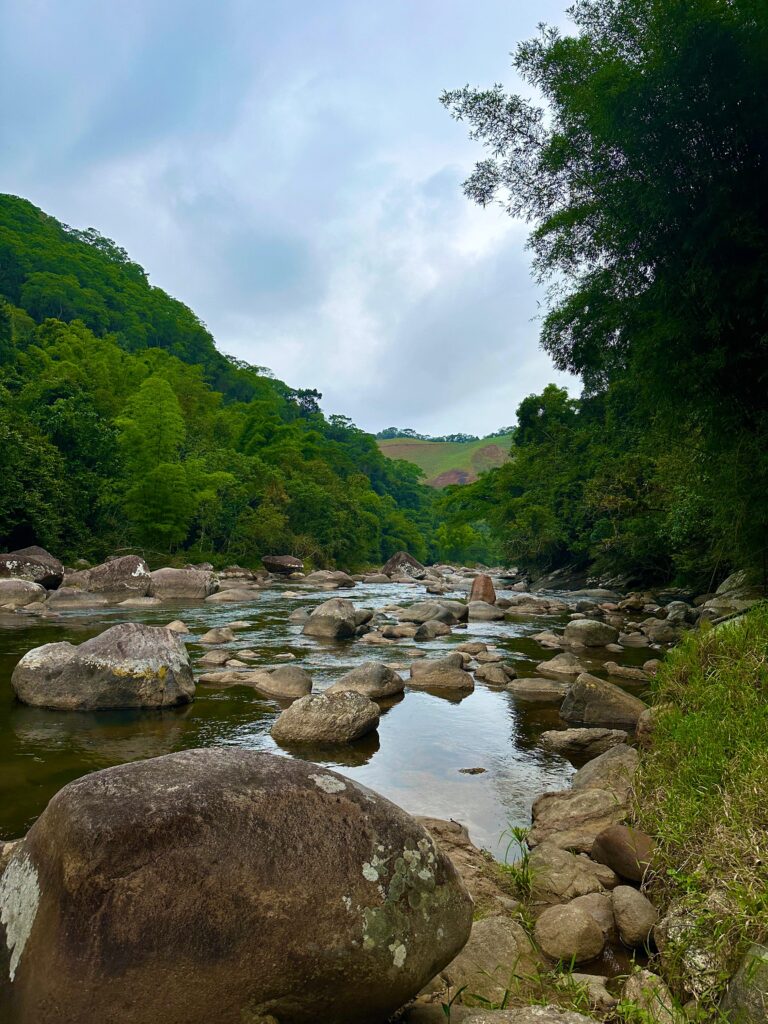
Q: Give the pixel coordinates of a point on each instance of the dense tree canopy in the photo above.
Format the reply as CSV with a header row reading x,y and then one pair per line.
x,y
121,425
644,174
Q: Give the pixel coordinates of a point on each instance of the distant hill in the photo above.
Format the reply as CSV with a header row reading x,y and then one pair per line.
x,y
450,462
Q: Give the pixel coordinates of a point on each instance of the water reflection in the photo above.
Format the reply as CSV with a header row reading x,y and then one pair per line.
x,y
414,758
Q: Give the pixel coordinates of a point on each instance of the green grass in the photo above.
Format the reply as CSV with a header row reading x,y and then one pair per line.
x,y
464,461
702,792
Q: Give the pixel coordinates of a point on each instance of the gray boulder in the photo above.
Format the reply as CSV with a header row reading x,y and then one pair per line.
x,y
441,674
374,680
321,900
326,719
572,819
429,630
564,664
559,876
126,666
569,934
582,742
332,620
549,691
403,564
116,578
498,952
34,564
746,1000
71,598
481,611
234,595
613,770
18,593
590,633
635,915
191,584
592,701
649,994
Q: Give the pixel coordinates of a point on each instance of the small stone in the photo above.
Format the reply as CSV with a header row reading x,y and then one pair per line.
x,y
569,934
635,916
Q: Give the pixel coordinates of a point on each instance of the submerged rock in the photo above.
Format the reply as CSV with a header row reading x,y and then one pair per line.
x,y
126,666
326,719
327,902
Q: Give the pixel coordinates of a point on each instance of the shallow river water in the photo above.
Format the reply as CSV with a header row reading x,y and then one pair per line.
x,y
414,759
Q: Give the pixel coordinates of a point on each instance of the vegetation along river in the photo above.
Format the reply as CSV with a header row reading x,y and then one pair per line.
x,y
415,758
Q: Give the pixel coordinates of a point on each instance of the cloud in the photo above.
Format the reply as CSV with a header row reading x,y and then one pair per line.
x,y
287,171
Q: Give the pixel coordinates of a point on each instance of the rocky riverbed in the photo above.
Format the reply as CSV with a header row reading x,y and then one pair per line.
x,y
454,704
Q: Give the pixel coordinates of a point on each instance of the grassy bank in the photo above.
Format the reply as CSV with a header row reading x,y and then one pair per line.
x,y
703,792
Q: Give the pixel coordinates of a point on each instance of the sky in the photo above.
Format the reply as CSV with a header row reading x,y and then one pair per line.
x,y
287,170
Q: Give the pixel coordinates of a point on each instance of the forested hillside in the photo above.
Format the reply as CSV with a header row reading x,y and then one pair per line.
x,y
121,425
644,176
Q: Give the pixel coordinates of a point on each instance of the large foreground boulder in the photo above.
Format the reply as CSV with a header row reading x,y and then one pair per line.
x,y
403,564
326,719
126,666
117,578
34,564
282,565
332,620
190,584
223,885
592,701
18,593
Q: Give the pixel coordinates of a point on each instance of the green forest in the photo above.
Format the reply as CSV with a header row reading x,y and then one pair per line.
x,y
643,173
122,427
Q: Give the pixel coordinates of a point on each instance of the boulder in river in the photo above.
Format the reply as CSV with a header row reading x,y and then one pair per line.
x,y
590,633
234,595
326,719
593,701
332,620
535,688
126,666
482,589
70,598
327,902
564,664
429,630
374,680
34,564
441,674
117,578
282,565
481,611
18,593
403,564
586,743
188,584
